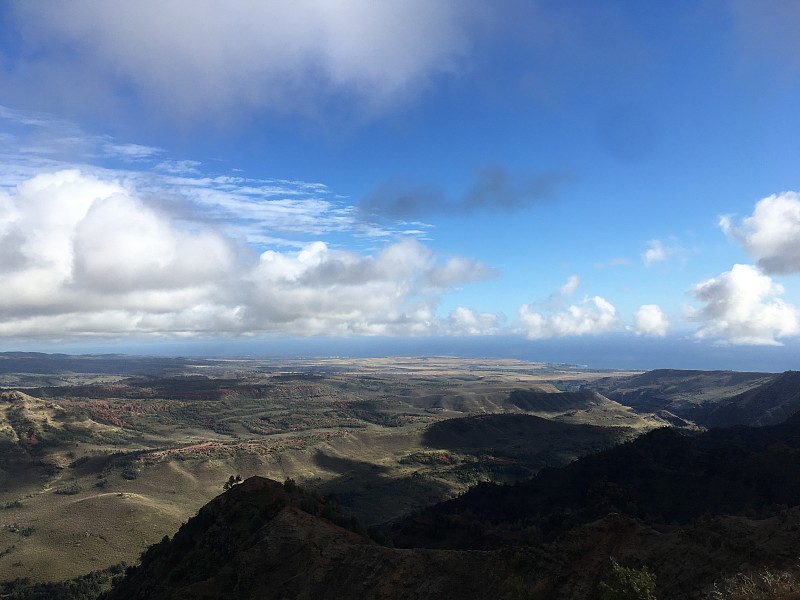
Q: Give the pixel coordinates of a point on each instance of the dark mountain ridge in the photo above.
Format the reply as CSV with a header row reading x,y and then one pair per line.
x,y
263,540
767,404
663,477
709,398
693,508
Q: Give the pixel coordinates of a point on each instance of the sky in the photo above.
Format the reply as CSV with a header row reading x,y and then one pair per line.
x,y
617,181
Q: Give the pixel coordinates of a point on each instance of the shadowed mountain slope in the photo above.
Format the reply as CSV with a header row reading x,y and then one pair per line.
x,y
531,440
709,398
533,400
262,540
662,477
767,404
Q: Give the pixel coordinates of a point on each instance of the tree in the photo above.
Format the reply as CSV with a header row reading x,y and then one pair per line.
x,y
232,481
626,583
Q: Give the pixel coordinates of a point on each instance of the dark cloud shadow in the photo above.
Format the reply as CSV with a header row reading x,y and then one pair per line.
x,y
495,189
369,491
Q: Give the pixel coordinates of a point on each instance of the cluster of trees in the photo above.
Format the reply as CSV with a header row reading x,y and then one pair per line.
x,y
233,480
85,587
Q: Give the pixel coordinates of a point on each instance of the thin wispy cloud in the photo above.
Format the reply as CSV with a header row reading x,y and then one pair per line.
x,y
253,209
660,251
132,152
570,286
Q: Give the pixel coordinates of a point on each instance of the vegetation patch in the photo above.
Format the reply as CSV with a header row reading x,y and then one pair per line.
x,y
23,530
69,490
627,583
429,458
768,584
86,587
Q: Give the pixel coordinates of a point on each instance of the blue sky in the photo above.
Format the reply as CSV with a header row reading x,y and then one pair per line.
x,y
203,173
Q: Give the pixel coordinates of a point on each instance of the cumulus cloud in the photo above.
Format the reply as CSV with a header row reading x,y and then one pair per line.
x,y
204,57
84,255
465,321
771,234
650,320
742,307
123,245
594,315
494,189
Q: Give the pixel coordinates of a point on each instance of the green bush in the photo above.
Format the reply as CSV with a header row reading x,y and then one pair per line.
x,y
626,583
69,490
130,473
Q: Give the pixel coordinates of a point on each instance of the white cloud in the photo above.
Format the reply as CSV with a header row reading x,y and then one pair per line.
x,y
655,252
742,307
771,234
179,167
592,316
201,57
465,321
570,286
459,270
662,251
131,151
650,320
123,245
84,255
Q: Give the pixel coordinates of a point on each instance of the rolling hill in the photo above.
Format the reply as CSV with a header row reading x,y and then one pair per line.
x,y
708,398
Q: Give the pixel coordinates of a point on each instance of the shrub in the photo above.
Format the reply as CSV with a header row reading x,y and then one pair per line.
x,y
69,490
766,585
626,583
130,473
232,482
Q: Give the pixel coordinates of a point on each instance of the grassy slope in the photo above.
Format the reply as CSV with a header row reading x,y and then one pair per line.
x,y
70,452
